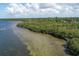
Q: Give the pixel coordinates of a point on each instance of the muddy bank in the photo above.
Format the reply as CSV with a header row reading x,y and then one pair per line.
x,y
40,44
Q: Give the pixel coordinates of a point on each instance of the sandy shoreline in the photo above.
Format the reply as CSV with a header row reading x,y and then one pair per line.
x,y
40,44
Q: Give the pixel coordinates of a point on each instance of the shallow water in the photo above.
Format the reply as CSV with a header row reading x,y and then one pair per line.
x,y
10,43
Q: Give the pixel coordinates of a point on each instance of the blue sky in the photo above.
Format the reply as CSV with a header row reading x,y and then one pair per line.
x,y
34,10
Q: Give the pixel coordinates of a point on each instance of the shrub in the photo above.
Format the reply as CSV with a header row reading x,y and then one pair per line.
x,y
73,46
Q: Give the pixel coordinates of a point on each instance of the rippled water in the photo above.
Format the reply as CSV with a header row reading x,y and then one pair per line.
x,y
10,43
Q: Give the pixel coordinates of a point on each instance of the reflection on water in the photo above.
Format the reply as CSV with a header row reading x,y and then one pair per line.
x,y
10,44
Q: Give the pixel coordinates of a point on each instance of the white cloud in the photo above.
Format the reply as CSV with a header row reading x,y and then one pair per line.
x,y
17,8
57,6
49,10
68,10
35,9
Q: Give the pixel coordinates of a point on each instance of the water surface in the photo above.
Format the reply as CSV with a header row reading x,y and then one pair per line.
x,y
10,43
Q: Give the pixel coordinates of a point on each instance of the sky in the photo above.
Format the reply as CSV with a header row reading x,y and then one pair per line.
x,y
37,10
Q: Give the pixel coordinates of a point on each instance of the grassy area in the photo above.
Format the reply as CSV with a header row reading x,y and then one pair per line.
x,y
66,28
63,28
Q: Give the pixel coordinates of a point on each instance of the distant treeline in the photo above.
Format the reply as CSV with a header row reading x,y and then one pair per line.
x,y
53,18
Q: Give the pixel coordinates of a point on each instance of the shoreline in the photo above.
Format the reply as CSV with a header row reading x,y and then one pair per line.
x,y
40,44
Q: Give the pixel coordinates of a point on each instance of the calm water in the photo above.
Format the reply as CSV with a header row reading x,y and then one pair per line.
x,y
10,43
